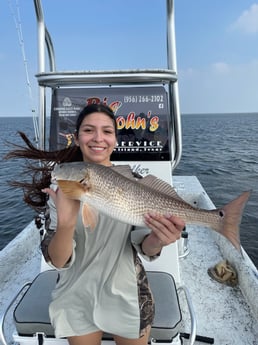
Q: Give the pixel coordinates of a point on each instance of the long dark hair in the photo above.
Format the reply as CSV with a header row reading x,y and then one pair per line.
x,y
95,108
38,175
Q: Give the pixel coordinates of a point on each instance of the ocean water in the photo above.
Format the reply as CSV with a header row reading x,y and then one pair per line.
x,y
14,213
220,149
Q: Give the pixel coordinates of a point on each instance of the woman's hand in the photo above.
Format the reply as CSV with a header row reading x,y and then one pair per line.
x,y
166,229
61,245
67,209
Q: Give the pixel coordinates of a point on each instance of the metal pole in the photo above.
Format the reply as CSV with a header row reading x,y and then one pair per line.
x,y
173,86
41,68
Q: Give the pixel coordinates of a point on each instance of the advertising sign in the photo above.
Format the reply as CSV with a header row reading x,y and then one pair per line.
x,y
141,116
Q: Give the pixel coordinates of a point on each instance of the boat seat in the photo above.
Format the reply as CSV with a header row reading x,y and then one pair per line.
x,y
31,313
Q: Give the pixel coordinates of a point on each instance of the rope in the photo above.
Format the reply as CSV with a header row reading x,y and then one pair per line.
x,y
18,26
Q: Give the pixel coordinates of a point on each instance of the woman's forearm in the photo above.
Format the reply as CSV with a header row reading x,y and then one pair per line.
x,y
61,246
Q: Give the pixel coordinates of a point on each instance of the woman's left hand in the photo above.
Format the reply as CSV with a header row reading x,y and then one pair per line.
x,y
165,229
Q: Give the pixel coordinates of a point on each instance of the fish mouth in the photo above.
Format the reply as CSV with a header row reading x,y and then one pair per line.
x,y
68,172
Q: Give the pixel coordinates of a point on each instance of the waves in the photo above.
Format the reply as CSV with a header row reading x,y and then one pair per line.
x,y
14,214
221,150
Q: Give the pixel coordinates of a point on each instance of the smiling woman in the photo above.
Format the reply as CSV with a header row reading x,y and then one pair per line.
x,y
105,261
102,287
96,134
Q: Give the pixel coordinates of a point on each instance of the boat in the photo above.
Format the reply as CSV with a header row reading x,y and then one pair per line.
x,y
191,307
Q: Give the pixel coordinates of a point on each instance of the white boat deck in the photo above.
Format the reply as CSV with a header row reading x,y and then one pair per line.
x,y
222,312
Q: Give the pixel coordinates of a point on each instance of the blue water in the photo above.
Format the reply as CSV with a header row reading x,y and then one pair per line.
x,y
221,150
14,213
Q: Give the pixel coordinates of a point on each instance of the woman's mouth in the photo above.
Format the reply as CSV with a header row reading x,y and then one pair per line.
x,y
97,148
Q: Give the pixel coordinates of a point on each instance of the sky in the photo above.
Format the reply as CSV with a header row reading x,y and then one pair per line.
x,y
217,48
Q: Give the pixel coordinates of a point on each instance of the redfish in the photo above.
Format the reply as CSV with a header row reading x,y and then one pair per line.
x,y
115,192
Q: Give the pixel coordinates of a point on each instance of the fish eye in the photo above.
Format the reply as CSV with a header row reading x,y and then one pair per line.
x,y
221,214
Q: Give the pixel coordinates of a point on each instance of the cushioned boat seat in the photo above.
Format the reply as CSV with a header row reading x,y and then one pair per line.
x,y
168,315
31,313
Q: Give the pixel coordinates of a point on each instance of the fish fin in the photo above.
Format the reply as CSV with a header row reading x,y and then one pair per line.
x,y
124,170
72,189
89,216
160,186
232,218
150,181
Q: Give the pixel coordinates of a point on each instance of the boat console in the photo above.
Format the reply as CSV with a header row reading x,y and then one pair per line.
x,y
146,106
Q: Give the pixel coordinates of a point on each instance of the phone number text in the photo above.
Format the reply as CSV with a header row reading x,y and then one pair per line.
x,y
144,99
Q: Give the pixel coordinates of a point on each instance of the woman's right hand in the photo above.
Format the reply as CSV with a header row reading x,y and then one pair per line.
x,y
67,209
61,245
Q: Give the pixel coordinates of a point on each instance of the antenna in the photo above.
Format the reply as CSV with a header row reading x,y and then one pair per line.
x,y
17,21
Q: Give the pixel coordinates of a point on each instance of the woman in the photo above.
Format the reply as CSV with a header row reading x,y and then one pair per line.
x,y
102,286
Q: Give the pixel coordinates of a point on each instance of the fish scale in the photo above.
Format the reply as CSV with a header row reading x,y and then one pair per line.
x,y
117,193
131,206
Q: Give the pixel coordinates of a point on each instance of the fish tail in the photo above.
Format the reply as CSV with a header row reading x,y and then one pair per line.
x,y
232,215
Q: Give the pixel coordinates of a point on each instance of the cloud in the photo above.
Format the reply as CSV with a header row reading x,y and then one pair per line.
x,y
248,21
188,73
221,67
219,88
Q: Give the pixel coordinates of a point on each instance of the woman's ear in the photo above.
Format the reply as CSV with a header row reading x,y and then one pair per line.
x,y
76,141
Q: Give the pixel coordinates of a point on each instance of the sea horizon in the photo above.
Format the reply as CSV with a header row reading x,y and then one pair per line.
x,y
182,114
220,150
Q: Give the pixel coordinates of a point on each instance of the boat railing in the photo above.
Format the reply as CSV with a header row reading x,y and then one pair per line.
x,y
53,78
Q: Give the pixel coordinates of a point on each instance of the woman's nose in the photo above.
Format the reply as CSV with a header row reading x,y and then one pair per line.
x,y
98,136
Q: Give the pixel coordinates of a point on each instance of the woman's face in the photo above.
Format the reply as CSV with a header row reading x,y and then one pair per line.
x,y
97,138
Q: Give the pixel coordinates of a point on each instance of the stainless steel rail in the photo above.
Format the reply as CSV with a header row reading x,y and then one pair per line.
x,y
53,78
3,339
71,78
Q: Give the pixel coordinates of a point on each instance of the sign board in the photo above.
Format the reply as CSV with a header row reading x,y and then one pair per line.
x,y
142,118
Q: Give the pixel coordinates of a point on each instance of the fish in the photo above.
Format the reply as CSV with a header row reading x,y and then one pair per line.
x,y
116,192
